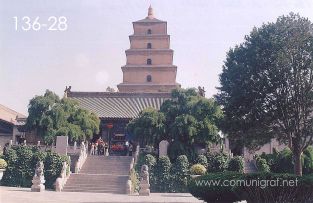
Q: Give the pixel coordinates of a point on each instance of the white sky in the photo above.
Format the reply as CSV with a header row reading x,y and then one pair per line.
x,y
89,55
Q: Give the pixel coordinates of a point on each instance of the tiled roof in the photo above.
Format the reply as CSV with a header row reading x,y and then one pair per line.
x,y
9,115
117,104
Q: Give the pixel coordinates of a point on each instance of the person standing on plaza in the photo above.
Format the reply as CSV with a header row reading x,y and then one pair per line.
x,y
130,150
92,149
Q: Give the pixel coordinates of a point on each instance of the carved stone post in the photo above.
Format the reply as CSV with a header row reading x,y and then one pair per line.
x,y
129,187
38,179
144,181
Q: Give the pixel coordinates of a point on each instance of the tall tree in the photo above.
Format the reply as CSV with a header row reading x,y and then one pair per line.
x,y
51,116
148,127
191,118
267,86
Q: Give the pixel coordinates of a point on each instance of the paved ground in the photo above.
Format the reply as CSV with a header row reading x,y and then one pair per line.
x,y
23,195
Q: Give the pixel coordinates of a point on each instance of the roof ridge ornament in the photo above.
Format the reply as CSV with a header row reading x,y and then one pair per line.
x,y
150,13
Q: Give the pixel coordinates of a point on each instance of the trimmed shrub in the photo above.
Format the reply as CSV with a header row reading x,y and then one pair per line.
x,y
162,175
150,161
197,169
53,166
179,173
236,164
262,192
308,160
262,164
134,178
3,164
22,162
285,163
200,188
178,148
217,162
201,159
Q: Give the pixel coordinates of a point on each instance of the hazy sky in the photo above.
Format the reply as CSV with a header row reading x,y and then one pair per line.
x,y
89,55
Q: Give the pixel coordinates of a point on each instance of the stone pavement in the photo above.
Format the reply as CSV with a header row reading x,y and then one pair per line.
x,y
24,195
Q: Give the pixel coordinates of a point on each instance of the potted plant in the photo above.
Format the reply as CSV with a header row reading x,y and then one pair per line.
x,y
197,170
3,165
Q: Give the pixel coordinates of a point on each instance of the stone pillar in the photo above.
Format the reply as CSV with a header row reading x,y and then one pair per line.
x,y
144,181
24,142
38,179
75,146
61,145
163,148
38,143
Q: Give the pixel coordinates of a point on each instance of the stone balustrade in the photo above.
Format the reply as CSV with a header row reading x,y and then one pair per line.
x,y
132,164
62,179
82,157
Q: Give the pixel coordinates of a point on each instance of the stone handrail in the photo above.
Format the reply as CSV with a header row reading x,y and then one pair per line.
x,y
82,157
131,167
61,180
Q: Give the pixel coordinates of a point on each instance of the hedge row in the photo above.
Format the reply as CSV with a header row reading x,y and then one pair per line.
x,y
173,177
282,162
210,188
22,162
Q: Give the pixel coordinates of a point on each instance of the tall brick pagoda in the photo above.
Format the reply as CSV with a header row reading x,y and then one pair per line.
x,y
148,78
149,66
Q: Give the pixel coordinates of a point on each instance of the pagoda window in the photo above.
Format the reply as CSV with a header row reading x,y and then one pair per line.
x,y
149,78
149,46
149,32
149,61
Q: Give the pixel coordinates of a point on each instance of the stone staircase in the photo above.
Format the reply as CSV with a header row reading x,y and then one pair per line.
x,y
249,167
101,174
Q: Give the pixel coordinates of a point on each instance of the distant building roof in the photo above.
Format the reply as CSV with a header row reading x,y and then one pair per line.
x,y
9,115
117,104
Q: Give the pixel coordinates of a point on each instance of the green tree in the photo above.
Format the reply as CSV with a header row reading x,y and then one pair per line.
x,y
148,127
190,118
51,116
267,86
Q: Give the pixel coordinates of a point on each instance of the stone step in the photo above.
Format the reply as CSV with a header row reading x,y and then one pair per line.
x,y
101,174
97,191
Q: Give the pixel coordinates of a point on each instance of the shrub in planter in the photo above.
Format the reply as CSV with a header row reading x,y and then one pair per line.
x,y
3,164
197,169
201,159
179,173
162,174
217,162
236,164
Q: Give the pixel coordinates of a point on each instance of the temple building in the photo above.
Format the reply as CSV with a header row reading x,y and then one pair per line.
x,y
149,76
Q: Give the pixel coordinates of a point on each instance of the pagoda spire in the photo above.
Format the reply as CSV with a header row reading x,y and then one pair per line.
x,y
150,12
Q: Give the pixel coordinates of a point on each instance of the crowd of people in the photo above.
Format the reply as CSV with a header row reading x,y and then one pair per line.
x,y
99,147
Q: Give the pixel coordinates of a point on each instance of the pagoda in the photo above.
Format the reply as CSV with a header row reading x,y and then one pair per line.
x,y
149,65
